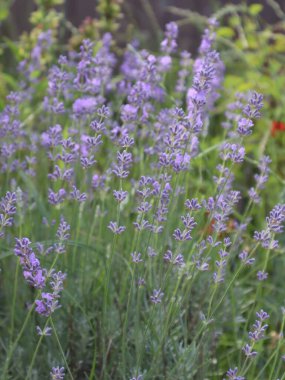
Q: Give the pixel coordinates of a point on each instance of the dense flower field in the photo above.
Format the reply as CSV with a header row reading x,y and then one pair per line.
x,y
141,223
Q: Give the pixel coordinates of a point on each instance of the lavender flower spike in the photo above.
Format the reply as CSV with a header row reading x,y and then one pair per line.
x,y
32,270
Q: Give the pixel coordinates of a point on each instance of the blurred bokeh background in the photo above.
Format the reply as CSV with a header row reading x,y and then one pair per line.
x,y
147,16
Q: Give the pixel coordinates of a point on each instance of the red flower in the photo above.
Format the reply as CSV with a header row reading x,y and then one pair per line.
x,y
277,126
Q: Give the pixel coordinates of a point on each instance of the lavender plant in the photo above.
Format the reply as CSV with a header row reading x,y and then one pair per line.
x,y
145,254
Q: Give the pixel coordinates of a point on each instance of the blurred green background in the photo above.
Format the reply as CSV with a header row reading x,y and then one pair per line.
x,y
148,16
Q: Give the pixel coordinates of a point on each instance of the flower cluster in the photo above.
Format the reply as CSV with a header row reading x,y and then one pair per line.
x,y
49,302
260,179
34,274
8,209
257,333
57,373
127,147
37,277
274,225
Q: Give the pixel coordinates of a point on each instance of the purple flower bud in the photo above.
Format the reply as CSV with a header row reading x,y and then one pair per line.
x,y
113,226
151,252
156,296
244,127
57,373
83,106
136,257
169,44
192,204
247,349
120,195
45,332
75,194
232,374
56,198
261,275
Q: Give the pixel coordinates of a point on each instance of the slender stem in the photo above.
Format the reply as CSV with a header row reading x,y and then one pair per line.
x,y
14,300
277,349
15,344
61,349
92,373
231,282
29,373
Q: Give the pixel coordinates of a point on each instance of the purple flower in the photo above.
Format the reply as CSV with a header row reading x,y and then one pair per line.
x,y
276,218
254,105
7,204
141,281
151,252
45,332
233,152
244,258
182,235
113,226
52,137
203,267
94,142
168,256
262,315
248,351
136,257
183,73
164,63
86,105
86,162
97,126
156,296
177,260
169,44
57,283
253,195
49,302
129,113
32,270
244,126
257,333
57,373
76,195
232,374
143,225
138,377
192,204
56,198
120,195
189,222
8,209
144,207
46,305
98,181
261,275
274,222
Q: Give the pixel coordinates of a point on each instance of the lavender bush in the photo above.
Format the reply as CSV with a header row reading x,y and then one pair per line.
x,y
139,240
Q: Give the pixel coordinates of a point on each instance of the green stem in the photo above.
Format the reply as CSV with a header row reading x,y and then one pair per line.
x,y
60,349
15,344
14,299
277,349
36,352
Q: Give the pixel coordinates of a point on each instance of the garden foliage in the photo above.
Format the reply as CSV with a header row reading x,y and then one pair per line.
x,y
141,215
